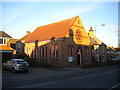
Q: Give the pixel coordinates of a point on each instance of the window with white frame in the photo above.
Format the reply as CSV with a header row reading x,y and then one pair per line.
x,y
2,41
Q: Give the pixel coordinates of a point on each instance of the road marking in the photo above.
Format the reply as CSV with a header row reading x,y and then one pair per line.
x,y
114,86
83,77
93,75
37,85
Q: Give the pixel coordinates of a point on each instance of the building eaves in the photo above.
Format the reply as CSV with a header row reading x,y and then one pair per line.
x,y
4,34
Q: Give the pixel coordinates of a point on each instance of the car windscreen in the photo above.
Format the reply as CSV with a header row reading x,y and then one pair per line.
x,y
21,62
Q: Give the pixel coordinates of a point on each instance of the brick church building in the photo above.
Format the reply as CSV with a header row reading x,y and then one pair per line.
x,y
63,43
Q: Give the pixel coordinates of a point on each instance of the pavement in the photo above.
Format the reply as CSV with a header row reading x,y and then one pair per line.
x,y
55,69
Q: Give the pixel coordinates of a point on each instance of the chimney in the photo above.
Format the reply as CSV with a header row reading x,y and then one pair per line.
x,y
91,32
28,32
71,34
90,28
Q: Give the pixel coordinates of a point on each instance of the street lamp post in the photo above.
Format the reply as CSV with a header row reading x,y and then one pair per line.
x,y
97,26
96,43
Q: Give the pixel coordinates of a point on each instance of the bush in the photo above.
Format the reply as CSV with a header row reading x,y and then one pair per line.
x,y
31,61
20,56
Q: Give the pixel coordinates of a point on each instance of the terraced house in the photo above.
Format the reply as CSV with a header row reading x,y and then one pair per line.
x,y
63,43
7,46
99,50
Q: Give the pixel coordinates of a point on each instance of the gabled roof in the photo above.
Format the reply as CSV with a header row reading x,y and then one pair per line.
x,y
25,37
117,48
57,30
13,40
95,40
4,34
98,41
111,48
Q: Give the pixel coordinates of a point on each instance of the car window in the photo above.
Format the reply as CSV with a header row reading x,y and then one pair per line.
x,y
21,62
13,62
9,62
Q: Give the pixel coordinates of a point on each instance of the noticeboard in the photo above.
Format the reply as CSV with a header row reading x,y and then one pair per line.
x,y
70,59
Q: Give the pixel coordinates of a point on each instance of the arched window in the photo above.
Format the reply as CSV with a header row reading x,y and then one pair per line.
x,y
33,52
54,51
43,51
87,53
86,50
70,50
28,51
36,52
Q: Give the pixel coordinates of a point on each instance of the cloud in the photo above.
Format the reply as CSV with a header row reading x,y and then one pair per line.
x,y
60,0
76,10
113,26
10,19
115,29
14,15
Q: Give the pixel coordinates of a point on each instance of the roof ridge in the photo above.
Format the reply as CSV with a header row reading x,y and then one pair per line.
x,y
53,30
4,34
59,21
74,21
24,37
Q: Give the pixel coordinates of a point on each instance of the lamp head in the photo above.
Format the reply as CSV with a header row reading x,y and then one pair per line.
x,y
102,24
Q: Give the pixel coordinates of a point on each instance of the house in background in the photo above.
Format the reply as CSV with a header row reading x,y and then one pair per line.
x,y
99,49
25,37
20,44
64,43
118,53
113,53
13,43
5,50
20,47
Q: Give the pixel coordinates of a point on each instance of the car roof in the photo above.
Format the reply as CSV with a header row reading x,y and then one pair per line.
x,y
17,59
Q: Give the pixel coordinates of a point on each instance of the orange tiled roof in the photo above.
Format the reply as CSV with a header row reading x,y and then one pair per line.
x,y
57,30
13,40
25,37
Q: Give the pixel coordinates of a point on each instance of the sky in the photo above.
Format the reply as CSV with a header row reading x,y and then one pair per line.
x,y
19,17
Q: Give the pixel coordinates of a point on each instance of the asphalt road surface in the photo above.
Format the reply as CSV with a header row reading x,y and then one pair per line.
x,y
107,77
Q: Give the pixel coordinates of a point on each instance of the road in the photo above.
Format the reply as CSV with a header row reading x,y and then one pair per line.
x,y
69,77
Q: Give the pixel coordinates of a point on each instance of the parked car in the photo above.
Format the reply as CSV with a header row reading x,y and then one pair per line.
x,y
16,65
114,59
